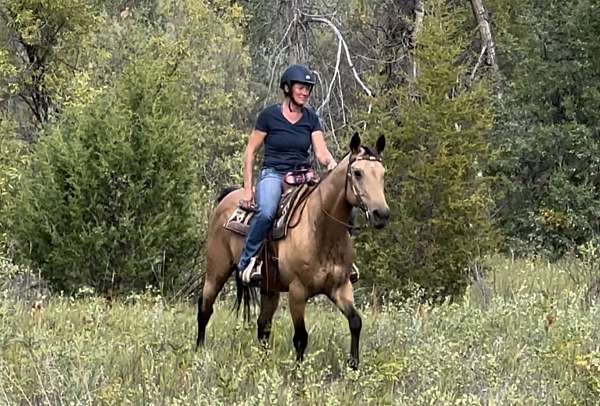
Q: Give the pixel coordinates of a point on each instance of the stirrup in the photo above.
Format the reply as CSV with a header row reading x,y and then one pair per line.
x,y
354,274
251,274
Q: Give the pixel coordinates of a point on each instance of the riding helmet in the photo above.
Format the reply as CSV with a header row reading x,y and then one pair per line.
x,y
296,74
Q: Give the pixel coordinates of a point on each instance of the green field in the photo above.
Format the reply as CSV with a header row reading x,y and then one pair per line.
x,y
527,334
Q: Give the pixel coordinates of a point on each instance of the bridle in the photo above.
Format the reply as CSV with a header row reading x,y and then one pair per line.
x,y
359,200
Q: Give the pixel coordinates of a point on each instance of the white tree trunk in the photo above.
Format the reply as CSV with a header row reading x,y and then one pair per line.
x,y
487,39
419,12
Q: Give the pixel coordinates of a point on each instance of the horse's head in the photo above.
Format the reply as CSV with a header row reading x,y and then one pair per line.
x,y
364,181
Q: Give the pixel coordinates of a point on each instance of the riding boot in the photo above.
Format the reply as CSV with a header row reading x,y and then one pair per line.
x,y
251,275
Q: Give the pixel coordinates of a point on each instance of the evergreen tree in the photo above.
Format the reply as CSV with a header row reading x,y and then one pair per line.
x,y
439,200
109,200
547,129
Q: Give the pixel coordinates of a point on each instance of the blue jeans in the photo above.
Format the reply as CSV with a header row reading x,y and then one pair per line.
x,y
268,192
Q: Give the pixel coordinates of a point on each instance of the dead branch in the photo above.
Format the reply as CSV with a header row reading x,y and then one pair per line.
x,y
485,31
472,77
336,72
344,44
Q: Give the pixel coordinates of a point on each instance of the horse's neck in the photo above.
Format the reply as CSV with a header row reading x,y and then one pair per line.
x,y
332,211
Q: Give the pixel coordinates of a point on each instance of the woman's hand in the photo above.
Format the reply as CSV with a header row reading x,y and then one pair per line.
x,y
247,200
331,165
248,196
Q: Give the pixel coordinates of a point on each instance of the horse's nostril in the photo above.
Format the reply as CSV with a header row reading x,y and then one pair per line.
x,y
381,214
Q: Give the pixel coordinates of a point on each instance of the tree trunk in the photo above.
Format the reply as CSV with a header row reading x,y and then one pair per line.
x,y
487,40
419,12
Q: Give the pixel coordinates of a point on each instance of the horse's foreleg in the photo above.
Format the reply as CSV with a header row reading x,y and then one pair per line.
x,y
268,306
343,297
297,302
212,287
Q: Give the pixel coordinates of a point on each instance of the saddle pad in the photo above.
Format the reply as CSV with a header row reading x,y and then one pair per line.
x,y
239,221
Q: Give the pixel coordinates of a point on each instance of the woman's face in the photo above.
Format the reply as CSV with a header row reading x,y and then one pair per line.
x,y
301,93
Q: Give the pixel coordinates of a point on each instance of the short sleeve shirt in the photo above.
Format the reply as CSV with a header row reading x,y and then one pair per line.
x,y
286,144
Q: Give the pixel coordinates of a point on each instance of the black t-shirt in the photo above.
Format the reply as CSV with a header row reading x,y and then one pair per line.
x,y
286,144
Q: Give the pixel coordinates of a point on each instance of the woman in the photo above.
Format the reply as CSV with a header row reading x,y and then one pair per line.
x,y
287,131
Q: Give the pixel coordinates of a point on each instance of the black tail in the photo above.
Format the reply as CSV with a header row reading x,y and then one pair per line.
x,y
225,192
246,297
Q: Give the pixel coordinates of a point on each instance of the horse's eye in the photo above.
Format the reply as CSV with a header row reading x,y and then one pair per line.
x,y
357,173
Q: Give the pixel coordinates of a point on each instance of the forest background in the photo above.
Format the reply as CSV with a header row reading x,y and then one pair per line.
x,y
120,121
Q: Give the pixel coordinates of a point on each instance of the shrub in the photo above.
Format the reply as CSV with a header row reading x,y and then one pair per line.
x,y
108,201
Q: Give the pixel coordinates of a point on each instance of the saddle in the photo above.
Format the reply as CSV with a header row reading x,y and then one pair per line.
x,y
297,185
239,221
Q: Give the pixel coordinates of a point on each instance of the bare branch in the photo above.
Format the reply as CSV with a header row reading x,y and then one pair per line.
x,y
342,108
483,49
345,45
335,74
272,76
32,108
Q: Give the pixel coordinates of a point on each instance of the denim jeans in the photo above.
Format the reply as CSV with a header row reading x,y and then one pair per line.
x,y
268,192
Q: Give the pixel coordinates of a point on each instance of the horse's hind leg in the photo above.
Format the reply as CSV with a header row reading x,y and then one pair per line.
x,y
268,306
217,274
297,302
343,297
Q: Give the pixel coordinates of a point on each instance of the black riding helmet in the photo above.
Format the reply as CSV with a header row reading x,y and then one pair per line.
x,y
296,74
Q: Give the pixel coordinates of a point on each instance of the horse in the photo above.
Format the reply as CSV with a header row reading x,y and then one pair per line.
x,y
315,257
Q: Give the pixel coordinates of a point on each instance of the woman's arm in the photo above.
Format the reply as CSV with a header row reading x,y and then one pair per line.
x,y
320,147
255,142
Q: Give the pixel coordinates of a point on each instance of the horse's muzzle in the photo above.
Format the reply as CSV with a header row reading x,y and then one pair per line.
x,y
380,217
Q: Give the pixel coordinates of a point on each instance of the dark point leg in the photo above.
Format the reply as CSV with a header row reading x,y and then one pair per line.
x,y
343,297
268,306
212,287
297,300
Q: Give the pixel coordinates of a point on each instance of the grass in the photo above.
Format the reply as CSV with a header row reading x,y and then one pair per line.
x,y
522,334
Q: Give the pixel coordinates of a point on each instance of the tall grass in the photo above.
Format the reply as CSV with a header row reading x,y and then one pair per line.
x,y
521,335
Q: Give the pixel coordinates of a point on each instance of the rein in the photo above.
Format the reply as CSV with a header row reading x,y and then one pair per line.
x,y
361,204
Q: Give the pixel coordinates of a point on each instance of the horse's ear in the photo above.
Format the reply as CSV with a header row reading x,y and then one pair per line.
x,y
355,143
380,144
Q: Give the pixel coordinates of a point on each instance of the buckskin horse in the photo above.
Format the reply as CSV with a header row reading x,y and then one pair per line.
x,y
315,257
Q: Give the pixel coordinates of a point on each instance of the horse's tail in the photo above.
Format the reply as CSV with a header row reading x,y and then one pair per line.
x,y
246,297
225,192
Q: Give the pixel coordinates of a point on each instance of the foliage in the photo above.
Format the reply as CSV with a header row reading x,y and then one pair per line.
x,y
547,125
39,48
12,159
108,202
532,344
440,202
196,47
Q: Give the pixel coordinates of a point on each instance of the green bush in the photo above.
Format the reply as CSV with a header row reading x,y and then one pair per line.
x,y
12,161
108,201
